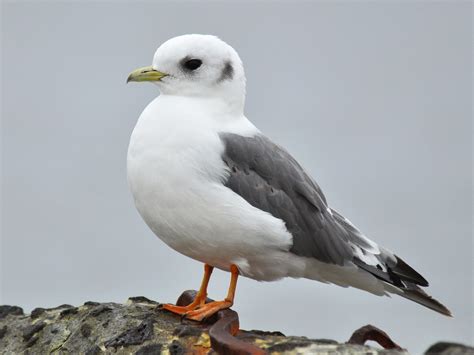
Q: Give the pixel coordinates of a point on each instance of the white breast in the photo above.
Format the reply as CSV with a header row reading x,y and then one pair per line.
x,y
175,172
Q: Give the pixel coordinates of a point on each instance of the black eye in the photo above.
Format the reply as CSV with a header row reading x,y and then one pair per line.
x,y
192,64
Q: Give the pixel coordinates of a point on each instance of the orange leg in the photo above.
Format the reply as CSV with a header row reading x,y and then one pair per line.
x,y
208,309
200,297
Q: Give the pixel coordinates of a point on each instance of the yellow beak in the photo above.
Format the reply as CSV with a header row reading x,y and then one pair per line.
x,y
146,74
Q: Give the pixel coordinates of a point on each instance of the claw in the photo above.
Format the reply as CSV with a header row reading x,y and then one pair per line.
x,y
181,310
208,310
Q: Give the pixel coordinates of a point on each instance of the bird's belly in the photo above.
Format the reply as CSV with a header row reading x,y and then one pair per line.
x,y
178,191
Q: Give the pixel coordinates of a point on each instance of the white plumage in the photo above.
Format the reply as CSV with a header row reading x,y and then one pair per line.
x,y
175,172
177,175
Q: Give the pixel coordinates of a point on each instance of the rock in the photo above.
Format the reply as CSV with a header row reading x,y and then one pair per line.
x,y
445,348
141,327
6,310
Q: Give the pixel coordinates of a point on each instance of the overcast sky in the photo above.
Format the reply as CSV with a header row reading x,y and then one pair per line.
x,y
374,99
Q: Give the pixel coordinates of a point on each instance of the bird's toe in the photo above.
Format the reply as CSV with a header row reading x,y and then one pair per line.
x,y
207,310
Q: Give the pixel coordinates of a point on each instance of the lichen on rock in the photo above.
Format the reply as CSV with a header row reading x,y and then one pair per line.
x,y
141,327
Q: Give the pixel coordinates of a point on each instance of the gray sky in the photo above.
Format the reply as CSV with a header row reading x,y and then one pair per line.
x,y
374,99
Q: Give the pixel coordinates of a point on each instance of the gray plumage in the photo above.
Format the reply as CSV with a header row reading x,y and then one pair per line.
x,y
270,179
227,72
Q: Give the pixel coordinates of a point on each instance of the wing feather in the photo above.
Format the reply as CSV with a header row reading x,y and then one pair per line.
x,y
269,178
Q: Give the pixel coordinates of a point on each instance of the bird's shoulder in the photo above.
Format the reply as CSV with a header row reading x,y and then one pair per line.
x,y
258,157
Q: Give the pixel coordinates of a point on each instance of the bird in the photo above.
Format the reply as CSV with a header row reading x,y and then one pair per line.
x,y
213,187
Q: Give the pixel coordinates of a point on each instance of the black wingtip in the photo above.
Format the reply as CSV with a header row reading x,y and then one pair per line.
x,y
406,272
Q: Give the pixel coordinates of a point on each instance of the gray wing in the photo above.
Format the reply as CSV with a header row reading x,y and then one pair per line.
x,y
270,179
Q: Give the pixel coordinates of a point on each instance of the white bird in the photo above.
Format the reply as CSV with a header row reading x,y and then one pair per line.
x,y
214,188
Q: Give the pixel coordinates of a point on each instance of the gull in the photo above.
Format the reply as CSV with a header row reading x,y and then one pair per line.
x,y
211,186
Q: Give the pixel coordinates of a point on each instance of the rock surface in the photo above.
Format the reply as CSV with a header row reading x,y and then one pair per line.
x,y
141,327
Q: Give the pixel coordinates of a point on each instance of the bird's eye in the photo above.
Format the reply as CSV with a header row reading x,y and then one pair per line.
x,y
192,64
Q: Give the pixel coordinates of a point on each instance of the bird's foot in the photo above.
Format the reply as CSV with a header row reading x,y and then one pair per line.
x,y
207,310
181,310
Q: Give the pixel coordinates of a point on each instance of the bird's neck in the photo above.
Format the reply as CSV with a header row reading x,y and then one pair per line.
x,y
218,106
197,115
233,95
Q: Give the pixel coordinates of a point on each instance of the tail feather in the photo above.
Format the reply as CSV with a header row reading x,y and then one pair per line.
x,y
416,294
403,280
390,273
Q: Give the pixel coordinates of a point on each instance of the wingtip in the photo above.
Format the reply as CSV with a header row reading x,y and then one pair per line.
x,y
406,272
447,313
417,295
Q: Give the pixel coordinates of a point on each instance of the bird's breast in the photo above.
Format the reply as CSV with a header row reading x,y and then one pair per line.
x,y
176,173
174,170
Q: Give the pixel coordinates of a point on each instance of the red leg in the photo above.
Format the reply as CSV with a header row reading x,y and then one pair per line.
x,y
208,309
200,297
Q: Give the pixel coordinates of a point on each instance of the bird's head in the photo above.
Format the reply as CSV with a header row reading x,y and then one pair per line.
x,y
196,65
